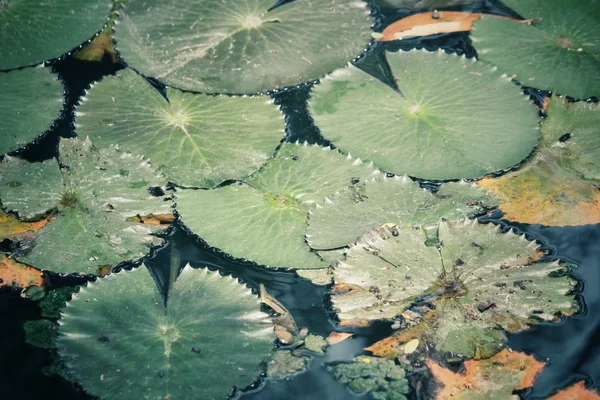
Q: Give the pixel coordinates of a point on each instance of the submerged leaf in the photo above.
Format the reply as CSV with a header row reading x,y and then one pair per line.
x,y
382,378
558,52
210,337
41,333
34,31
195,139
284,363
13,273
458,118
494,378
30,101
479,279
240,47
400,201
266,222
561,184
315,343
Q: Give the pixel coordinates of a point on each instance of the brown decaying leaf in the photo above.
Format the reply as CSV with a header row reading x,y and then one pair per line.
x,y
577,391
506,371
95,50
391,347
338,337
13,273
284,319
544,193
430,23
10,226
158,219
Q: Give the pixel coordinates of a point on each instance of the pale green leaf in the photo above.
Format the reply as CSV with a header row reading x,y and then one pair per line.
x,y
559,51
284,363
30,189
241,47
30,101
457,118
349,214
210,337
34,31
195,140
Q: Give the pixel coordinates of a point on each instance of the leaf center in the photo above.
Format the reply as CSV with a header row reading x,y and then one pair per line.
x,y
178,118
251,22
281,201
169,335
566,43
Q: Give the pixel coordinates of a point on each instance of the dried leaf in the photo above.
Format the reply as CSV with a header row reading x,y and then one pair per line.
x,y
391,346
338,337
431,23
284,319
577,391
10,226
158,219
495,377
13,273
95,50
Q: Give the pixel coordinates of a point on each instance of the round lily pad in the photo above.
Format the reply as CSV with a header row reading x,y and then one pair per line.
x,y
91,199
559,51
209,338
351,213
240,47
30,101
479,279
457,118
265,220
34,31
195,139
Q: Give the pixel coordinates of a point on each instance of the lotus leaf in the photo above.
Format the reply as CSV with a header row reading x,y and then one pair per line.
x,y
209,338
559,186
350,213
382,378
266,222
457,118
30,101
94,194
196,140
34,31
559,52
240,47
480,280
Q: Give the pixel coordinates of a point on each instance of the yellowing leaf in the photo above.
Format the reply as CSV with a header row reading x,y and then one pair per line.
x,y
495,377
577,391
10,226
13,273
95,50
431,23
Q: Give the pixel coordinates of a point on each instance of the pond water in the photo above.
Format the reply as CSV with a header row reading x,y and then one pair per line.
x,y
571,347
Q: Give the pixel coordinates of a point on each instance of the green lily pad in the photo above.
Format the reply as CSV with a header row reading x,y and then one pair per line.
x,y
315,343
382,378
209,338
31,189
458,118
266,222
421,4
33,31
559,51
242,47
349,214
41,333
195,140
30,101
285,363
480,280
92,197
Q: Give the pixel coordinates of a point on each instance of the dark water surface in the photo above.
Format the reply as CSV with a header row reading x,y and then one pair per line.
x,y
571,348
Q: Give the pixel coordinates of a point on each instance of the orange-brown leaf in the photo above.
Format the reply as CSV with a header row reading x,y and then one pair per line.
x,y
158,219
430,23
502,374
544,193
13,273
391,347
10,226
577,391
338,337
95,50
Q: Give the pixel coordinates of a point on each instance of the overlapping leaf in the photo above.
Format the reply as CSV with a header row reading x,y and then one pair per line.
x,y
240,47
560,185
347,215
266,222
93,196
558,52
457,118
209,338
30,101
480,280
33,31
196,140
